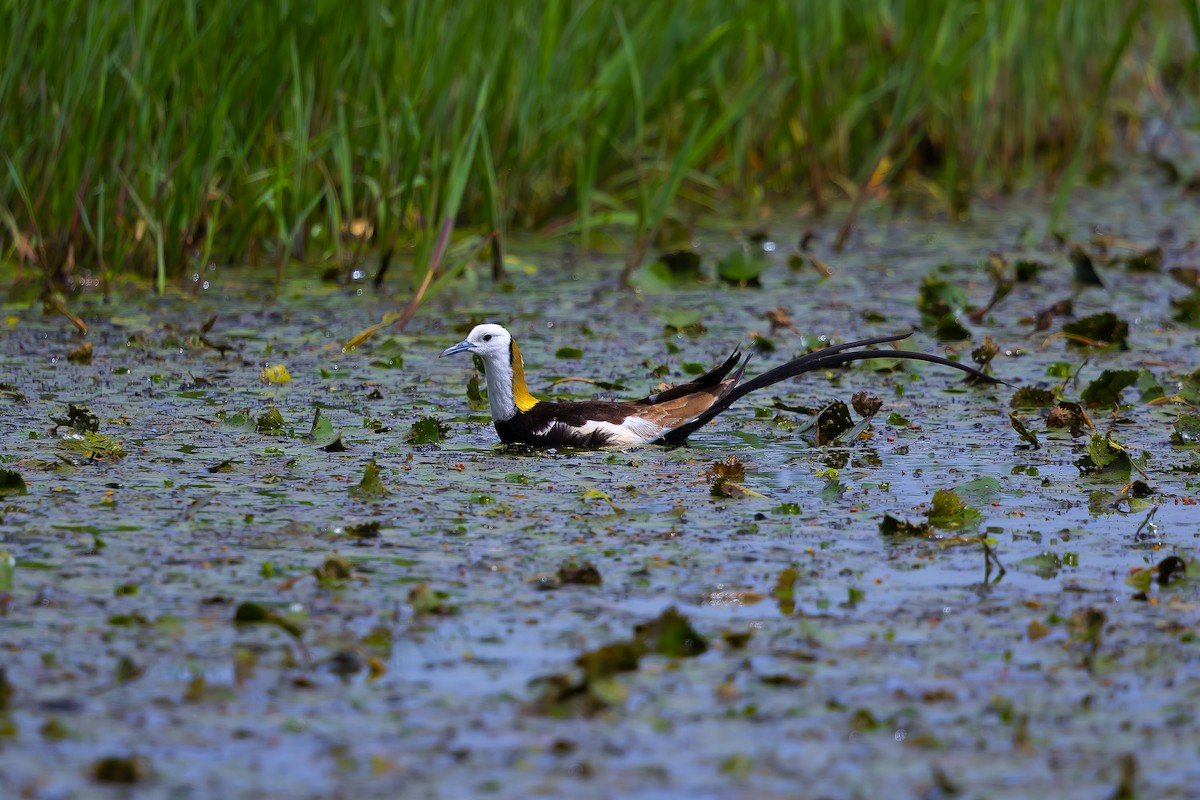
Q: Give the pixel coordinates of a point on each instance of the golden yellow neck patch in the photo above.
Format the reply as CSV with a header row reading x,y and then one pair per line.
x,y
521,396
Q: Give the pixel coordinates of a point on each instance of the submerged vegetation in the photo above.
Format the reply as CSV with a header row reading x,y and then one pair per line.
x,y
160,138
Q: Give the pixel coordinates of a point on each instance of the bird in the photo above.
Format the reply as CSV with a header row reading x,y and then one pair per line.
x,y
665,418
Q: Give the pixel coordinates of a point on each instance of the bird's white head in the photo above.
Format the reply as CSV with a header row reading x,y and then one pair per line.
x,y
489,340
503,367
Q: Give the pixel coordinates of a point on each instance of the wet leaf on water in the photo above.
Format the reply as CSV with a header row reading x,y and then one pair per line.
x,y
94,446
371,486
1023,431
893,526
609,660
428,430
780,320
866,404
323,434
128,670
1069,415
425,600
81,354
78,418
737,640
1103,330
681,264
1026,270
476,397
271,423
784,590
723,487
686,322
364,530
1140,579
1188,276
1185,431
568,352
950,329
983,355
1149,386
574,573
937,299
1032,397
761,344
1085,269
984,489
1037,630
1169,569
1106,457
948,511
1106,389
1045,318
275,374
1187,309
8,570
590,495
249,613
11,483
1044,565
1086,626
670,634
743,266
730,467
1148,260
832,422
121,769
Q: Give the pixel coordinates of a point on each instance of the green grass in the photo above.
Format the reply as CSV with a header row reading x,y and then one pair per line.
x,y
155,137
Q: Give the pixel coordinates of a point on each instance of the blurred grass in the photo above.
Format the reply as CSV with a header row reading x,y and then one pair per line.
x,y
155,137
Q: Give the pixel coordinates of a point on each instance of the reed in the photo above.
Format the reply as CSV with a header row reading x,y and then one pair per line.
x,y
154,138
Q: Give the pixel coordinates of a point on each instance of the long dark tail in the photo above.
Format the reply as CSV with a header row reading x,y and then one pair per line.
x,y
822,359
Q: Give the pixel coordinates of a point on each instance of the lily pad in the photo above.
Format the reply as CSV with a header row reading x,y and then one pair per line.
x,y
1185,430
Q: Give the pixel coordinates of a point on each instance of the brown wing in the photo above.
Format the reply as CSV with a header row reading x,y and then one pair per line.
x,y
705,382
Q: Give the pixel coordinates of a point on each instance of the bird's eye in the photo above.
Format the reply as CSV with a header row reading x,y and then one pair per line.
x,y
487,337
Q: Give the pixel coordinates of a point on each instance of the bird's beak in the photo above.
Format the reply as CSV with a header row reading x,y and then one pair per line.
x,y
458,348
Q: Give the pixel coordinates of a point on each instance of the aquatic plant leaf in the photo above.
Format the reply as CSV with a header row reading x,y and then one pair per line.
x,y
78,418
270,423
1069,415
743,266
1019,426
937,299
1085,269
249,613
93,446
984,489
1187,309
832,422
948,511
784,590
949,328
11,483
275,374
1106,389
1149,386
670,634
371,486
574,573
8,569
1185,430
428,430
1026,270
1105,329
476,396
1148,260
568,352
1032,397
1105,456
866,405
425,600
682,265
323,434
687,322
609,660
894,526
596,494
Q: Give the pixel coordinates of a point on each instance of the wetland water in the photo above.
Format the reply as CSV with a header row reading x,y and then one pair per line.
x,y
423,642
